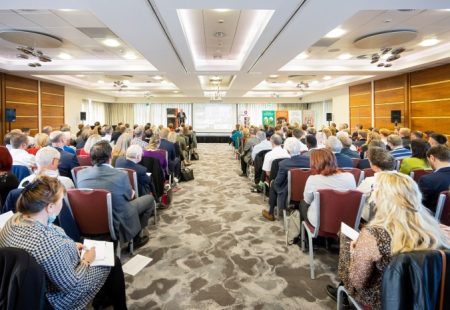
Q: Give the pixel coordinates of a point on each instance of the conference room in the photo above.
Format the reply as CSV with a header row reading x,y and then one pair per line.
x,y
169,154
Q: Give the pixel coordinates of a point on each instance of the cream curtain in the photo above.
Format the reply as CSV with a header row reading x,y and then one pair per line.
x,y
95,111
121,112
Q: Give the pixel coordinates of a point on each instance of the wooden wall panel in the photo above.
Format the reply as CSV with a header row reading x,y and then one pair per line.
x,y
390,94
360,98
52,105
430,99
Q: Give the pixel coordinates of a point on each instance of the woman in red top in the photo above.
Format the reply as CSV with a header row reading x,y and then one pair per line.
x,y
40,140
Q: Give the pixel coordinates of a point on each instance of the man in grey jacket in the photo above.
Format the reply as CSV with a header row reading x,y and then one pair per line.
x,y
129,216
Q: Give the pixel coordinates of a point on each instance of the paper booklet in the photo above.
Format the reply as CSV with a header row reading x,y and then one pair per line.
x,y
136,264
104,252
4,218
349,232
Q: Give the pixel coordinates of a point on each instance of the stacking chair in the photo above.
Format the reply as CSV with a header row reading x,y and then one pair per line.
x,y
84,160
355,162
272,175
21,172
75,171
357,173
368,172
333,208
92,211
132,176
418,173
443,208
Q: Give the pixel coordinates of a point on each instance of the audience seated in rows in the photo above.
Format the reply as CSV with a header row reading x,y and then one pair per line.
x,y
121,146
327,176
264,144
436,139
138,137
47,161
40,140
8,181
246,154
405,135
346,146
131,161
276,152
279,187
335,146
311,143
174,162
396,145
73,282
67,161
401,224
433,184
130,215
300,136
19,145
86,150
418,159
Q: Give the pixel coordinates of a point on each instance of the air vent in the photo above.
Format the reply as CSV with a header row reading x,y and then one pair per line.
x,y
98,33
325,42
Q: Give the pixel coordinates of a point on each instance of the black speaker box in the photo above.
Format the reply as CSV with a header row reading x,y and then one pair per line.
x,y
10,115
329,117
82,116
396,116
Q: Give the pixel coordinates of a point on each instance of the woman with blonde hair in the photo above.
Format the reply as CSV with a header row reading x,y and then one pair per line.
x,y
401,224
120,148
86,150
40,140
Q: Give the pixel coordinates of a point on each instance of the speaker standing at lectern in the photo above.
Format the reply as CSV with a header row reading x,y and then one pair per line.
x,y
181,117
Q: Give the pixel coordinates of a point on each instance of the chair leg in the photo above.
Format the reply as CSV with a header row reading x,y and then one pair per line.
x,y
118,249
303,241
285,224
155,215
131,247
340,296
311,256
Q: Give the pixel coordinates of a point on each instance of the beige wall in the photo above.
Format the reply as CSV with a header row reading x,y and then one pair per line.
x,y
340,100
73,100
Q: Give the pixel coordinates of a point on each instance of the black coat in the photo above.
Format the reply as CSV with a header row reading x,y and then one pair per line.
x,y
144,181
154,166
431,185
67,162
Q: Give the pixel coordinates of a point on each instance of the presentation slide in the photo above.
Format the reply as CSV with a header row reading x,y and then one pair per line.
x,y
214,117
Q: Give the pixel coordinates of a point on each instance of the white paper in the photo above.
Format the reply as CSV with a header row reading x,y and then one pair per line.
x,y
349,232
104,252
136,264
5,217
149,174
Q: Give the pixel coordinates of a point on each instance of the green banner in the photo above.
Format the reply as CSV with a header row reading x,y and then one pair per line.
x,y
268,118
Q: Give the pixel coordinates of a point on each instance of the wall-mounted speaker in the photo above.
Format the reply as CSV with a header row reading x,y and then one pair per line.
x,y
10,115
396,116
82,116
329,117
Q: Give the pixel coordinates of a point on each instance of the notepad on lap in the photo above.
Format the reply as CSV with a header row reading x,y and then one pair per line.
x,y
349,232
104,252
4,218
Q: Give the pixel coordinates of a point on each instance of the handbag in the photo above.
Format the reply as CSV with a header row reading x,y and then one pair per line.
x,y
186,174
194,156
293,227
166,198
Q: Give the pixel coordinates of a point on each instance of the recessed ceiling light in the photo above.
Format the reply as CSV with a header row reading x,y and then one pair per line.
x,y
314,82
221,10
157,77
100,81
335,33
327,77
345,56
111,42
130,55
126,82
176,91
273,76
64,56
216,78
429,42
66,10
302,55
80,75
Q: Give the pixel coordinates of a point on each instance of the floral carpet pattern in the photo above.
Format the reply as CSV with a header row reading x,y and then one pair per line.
x,y
212,249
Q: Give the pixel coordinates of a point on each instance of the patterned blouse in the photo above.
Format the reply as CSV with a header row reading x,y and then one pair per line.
x,y
362,271
71,285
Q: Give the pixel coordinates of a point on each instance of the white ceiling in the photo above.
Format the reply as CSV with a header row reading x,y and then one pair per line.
x,y
256,48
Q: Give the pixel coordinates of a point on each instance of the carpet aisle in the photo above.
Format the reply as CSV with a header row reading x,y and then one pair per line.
x,y
213,250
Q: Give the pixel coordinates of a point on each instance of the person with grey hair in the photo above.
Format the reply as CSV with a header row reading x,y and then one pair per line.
x,y
246,154
334,145
68,161
264,144
300,135
276,152
19,145
346,145
279,187
47,160
138,137
131,161
397,149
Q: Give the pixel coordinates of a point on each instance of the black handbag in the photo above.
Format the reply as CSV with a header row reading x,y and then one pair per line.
x,y
187,174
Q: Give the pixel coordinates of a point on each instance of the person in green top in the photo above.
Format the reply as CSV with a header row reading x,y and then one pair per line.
x,y
418,160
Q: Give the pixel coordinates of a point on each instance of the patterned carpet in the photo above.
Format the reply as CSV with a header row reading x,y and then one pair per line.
x,y
213,250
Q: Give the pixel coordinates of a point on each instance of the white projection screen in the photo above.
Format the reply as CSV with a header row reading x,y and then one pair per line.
x,y
214,117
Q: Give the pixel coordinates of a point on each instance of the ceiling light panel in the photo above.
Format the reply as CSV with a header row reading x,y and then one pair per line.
x,y
429,42
222,40
336,33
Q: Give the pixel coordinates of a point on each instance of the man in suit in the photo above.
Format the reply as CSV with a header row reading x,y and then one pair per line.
x,y
164,144
433,184
279,187
68,161
130,161
181,118
334,145
129,216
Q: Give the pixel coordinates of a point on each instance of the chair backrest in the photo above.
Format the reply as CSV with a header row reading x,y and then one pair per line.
x,y
335,207
78,151
355,162
398,163
132,176
357,173
84,160
296,183
75,171
19,272
443,208
274,168
92,211
368,172
21,172
418,173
